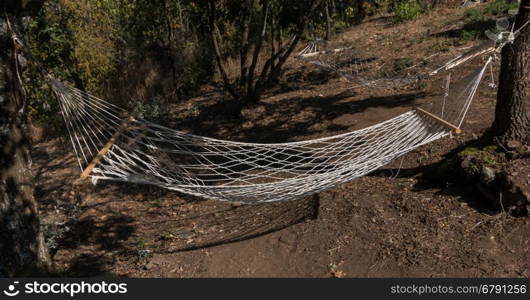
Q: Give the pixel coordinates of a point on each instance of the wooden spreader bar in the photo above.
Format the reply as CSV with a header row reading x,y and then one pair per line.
x,y
436,118
88,170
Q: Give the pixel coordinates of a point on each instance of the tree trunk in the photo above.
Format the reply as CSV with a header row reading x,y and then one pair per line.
x,y
214,32
275,64
512,122
361,13
22,248
252,84
328,21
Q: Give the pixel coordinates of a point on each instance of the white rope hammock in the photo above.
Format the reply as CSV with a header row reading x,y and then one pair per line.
x,y
112,145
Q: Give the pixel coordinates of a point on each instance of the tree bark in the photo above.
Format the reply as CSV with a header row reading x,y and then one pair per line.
x,y
328,20
245,41
258,46
512,122
212,16
22,248
361,13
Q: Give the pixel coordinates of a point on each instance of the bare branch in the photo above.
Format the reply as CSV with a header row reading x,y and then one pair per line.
x,y
212,14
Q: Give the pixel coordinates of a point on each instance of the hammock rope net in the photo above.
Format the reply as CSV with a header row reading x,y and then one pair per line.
x,y
358,68
112,145
373,72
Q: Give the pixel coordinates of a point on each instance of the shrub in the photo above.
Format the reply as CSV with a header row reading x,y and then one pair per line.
x,y
441,46
402,64
406,10
495,8
156,111
474,15
500,7
470,35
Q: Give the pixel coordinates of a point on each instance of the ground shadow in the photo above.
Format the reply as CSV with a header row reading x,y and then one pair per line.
x,y
233,224
444,176
282,128
99,242
475,29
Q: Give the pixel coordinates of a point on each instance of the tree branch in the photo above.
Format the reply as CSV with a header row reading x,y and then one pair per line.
x,y
212,14
283,54
245,43
258,46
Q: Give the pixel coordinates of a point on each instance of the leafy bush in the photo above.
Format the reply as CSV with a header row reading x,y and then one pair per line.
x,y
480,19
440,47
156,111
402,64
500,7
51,42
470,35
474,15
495,8
406,10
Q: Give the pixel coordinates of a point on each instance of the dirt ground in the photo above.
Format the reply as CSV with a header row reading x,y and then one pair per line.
x,y
390,223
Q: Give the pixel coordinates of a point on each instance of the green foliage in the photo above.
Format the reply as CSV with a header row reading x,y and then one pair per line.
x,y
402,64
55,232
487,155
480,19
72,41
470,35
351,12
92,44
406,10
500,7
51,42
474,15
339,25
443,46
494,8
155,111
